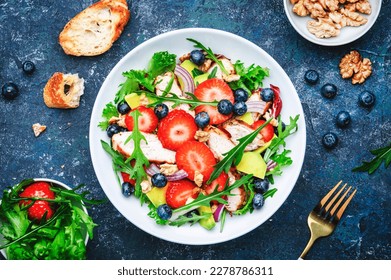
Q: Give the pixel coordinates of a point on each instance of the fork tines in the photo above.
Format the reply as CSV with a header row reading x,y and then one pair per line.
x,y
331,207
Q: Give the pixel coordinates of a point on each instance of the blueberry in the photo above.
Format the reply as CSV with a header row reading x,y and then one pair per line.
x,y
282,128
261,185
123,108
164,212
28,67
113,129
258,201
329,90
311,77
159,180
225,107
127,189
240,95
161,110
343,119
366,99
10,91
330,140
202,119
197,57
240,108
267,94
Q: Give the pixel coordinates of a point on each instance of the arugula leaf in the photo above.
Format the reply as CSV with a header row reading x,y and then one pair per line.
x,y
160,63
141,78
249,189
281,160
213,73
108,112
193,218
234,156
130,85
250,78
381,155
196,72
209,54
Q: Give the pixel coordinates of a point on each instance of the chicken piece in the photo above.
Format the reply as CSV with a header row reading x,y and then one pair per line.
x,y
238,129
236,200
153,151
232,76
219,142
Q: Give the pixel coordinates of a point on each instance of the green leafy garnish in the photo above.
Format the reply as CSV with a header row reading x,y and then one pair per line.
x,y
233,156
192,218
213,73
108,112
141,77
250,78
196,72
209,54
280,159
160,63
130,85
381,155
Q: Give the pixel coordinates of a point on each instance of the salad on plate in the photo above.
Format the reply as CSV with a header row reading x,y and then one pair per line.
x,y
197,137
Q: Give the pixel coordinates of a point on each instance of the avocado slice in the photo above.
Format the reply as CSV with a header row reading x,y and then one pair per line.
x,y
209,222
133,99
189,66
252,163
201,78
264,147
157,196
247,118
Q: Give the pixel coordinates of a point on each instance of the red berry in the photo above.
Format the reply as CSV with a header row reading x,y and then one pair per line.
x,y
267,132
195,156
147,122
219,181
126,178
39,207
178,192
213,90
176,128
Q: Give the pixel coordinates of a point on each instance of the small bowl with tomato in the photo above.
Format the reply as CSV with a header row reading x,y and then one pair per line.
x,y
44,219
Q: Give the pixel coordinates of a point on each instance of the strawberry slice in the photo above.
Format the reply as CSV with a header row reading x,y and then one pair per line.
x,y
213,90
219,181
178,192
147,122
37,210
126,178
176,128
195,156
267,132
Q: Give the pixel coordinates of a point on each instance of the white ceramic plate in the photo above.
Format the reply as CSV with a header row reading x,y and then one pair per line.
x,y
55,182
235,48
347,35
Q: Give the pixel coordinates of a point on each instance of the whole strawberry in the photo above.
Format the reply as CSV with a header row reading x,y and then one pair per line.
x,y
40,207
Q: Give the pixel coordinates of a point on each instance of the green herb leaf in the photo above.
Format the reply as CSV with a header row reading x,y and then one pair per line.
x,y
209,54
160,63
142,78
381,155
281,160
108,112
193,218
250,78
130,85
196,72
234,156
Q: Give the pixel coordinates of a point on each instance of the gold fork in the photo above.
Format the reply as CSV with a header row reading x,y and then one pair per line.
x,y
324,218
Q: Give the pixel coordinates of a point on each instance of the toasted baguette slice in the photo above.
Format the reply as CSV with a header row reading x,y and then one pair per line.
x,y
94,30
63,91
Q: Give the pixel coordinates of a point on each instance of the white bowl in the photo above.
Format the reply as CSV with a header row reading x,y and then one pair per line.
x,y
348,34
234,47
57,183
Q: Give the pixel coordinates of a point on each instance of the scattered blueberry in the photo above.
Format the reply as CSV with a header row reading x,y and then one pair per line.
x,y
267,94
164,211
258,201
127,189
311,77
329,90
282,128
240,108
123,108
330,140
240,95
10,91
225,107
202,119
113,129
161,110
197,57
366,99
159,180
28,67
343,119
261,185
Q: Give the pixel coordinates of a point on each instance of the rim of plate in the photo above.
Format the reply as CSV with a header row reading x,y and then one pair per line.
x,y
334,41
170,233
55,182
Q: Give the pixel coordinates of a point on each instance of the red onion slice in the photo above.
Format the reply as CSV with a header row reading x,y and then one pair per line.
x,y
255,106
180,174
270,165
188,82
219,211
152,169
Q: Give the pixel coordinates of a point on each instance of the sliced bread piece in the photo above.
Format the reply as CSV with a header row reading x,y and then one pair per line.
x,y
63,91
94,30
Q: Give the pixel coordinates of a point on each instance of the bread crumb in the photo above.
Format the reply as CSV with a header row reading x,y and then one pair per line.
x,y
38,129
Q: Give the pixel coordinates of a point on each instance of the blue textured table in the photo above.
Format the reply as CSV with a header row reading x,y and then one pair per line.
x,y
29,31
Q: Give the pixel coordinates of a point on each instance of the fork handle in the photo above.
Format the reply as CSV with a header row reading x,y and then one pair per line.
x,y
308,247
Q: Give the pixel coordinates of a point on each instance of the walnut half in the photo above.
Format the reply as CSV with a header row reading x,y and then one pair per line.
x,y
352,65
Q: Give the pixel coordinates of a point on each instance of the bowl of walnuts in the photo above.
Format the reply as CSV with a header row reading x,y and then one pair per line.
x,y
332,22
